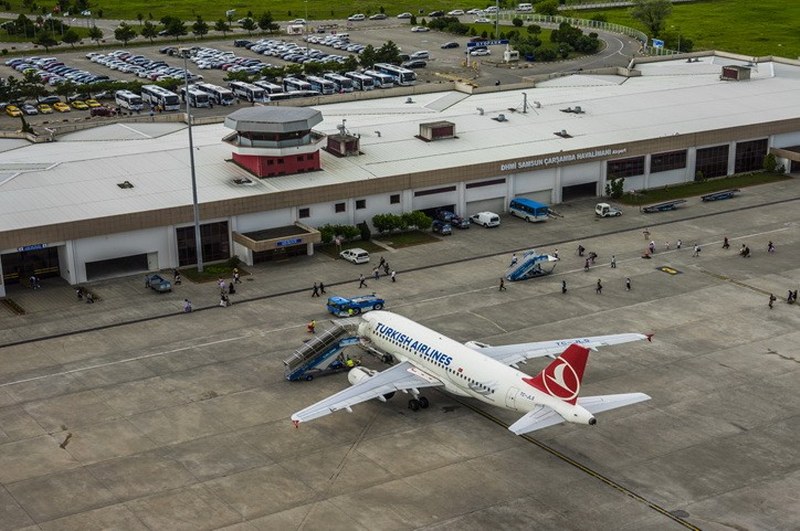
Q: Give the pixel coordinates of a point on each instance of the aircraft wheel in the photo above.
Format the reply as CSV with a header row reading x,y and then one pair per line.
x,y
309,377
357,311
387,358
413,404
423,402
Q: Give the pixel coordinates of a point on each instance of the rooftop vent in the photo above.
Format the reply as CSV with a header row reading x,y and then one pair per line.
x,y
574,110
735,73
500,118
409,100
343,145
431,131
125,185
244,182
563,134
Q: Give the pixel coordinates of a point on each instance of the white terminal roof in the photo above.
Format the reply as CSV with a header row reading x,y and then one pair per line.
x,y
76,177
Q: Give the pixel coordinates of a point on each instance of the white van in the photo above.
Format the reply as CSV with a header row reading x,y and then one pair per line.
x,y
487,219
421,54
525,8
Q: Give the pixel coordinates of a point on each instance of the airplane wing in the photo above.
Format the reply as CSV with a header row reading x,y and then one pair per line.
x,y
544,417
513,354
400,377
598,404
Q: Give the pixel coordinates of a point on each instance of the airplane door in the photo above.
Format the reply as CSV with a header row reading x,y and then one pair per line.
x,y
511,398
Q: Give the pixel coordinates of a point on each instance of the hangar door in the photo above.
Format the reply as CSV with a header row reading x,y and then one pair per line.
x,y
118,266
496,205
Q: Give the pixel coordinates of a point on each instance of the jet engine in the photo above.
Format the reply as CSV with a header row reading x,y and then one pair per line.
x,y
359,374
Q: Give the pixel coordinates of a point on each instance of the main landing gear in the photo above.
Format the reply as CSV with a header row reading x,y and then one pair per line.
x,y
415,404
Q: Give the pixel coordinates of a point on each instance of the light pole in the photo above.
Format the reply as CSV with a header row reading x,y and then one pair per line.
x,y
195,207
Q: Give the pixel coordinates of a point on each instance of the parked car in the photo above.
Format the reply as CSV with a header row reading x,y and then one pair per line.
x,y
456,12
102,111
442,228
421,54
404,15
436,13
414,63
355,255
79,105
378,16
450,44
357,17
29,109
158,283
50,100
61,107
480,52
453,219
13,111
482,20
44,108
92,103
487,219
419,29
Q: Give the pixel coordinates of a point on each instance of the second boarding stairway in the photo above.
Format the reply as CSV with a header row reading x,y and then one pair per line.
x,y
322,353
532,265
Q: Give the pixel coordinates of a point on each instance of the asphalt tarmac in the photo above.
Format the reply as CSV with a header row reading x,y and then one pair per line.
x,y
129,414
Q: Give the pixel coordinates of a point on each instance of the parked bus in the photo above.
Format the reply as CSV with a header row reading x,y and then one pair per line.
x,y
218,95
292,83
343,84
402,76
269,88
128,100
360,81
161,97
293,94
528,209
320,84
249,92
197,98
381,80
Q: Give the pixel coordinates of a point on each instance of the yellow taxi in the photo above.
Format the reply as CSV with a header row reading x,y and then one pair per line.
x,y
61,107
79,105
92,103
13,110
44,108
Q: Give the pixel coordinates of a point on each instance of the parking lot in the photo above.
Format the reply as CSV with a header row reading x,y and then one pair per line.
x,y
182,421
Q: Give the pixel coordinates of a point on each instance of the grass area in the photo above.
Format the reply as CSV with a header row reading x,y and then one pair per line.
x,y
82,31
767,27
658,195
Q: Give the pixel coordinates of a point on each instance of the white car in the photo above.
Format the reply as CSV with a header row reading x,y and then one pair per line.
x,y
475,11
482,20
491,9
419,29
355,255
299,22
456,12
404,15
357,17
480,52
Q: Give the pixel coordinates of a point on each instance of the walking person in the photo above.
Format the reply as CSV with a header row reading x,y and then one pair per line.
x,y
187,306
502,284
394,276
725,243
679,244
236,278
772,299
770,247
555,253
613,262
599,288
581,249
563,287
513,260
586,265
362,282
315,290
627,283
652,247
322,288
79,293
376,274
696,251
231,289
646,234
666,246
386,268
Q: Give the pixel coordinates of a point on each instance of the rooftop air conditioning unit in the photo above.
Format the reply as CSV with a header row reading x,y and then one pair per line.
x,y
431,131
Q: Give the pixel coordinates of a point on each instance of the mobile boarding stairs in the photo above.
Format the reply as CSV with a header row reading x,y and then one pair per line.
x,y
532,265
323,353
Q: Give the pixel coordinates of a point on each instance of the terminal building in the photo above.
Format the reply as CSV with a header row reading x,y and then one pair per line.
x,y
117,199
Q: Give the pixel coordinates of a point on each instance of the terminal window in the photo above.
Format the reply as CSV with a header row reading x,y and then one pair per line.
x,y
340,207
361,203
750,155
712,162
394,199
672,160
625,167
304,213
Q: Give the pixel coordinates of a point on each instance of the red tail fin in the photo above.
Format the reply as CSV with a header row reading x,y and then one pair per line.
x,y
562,378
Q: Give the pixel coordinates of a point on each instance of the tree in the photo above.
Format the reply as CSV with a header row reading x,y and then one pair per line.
x,y
266,22
71,37
174,27
518,23
222,26
388,53
548,8
368,56
200,28
44,38
313,68
249,25
652,13
124,33
95,34
140,18
149,31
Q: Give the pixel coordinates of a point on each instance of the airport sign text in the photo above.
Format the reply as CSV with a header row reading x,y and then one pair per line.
x,y
557,160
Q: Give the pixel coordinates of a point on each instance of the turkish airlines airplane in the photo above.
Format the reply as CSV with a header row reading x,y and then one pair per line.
x,y
486,373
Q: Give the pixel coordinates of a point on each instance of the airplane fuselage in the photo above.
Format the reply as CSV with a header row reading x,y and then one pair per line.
x,y
465,372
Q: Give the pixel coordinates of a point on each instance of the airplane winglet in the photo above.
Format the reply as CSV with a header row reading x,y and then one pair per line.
x,y
650,337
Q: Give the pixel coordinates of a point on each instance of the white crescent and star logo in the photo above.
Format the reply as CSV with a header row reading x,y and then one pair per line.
x,y
561,380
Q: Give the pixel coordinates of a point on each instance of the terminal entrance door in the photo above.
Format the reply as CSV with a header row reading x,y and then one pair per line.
x,y
19,267
577,191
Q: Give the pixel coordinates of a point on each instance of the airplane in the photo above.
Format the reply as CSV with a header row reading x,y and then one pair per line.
x,y
476,370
